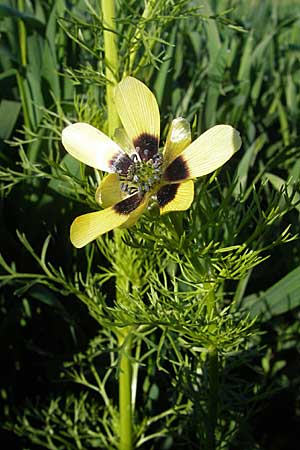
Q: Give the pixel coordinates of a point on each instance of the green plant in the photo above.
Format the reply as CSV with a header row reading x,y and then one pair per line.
x,y
172,298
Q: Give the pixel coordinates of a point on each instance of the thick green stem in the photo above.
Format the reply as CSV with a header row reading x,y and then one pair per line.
x,y
213,398
125,373
125,401
125,368
21,86
22,35
213,378
23,57
111,61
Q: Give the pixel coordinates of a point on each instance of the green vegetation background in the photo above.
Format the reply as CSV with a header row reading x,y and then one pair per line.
x,y
241,67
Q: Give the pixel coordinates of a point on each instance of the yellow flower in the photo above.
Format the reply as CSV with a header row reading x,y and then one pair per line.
x,y
138,171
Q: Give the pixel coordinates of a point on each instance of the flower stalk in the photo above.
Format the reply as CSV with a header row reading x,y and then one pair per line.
x,y
213,378
125,364
213,397
125,374
19,74
125,400
111,61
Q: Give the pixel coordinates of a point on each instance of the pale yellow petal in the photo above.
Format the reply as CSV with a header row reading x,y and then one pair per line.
x,y
89,226
139,113
109,192
179,137
91,146
207,153
176,197
123,140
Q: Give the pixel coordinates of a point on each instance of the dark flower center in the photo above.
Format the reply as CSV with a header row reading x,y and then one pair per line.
x,y
142,175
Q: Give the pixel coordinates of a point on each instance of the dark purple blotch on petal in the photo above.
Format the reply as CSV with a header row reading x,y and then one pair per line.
x,y
128,205
121,164
177,171
146,146
166,194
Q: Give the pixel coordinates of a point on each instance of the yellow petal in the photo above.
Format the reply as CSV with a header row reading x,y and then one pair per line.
x,y
123,140
175,197
139,113
109,192
207,153
89,226
179,137
91,146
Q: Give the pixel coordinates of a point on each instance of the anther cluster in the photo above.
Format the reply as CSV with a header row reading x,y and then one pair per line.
x,y
142,175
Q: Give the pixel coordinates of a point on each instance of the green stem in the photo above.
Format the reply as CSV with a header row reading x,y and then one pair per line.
x,y
124,341
125,378
23,57
213,378
125,374
213,397
22,35
21,86
111,61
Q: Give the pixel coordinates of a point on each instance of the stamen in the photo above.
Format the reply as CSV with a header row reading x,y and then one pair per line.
x,y
138,149
124,187
142,175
